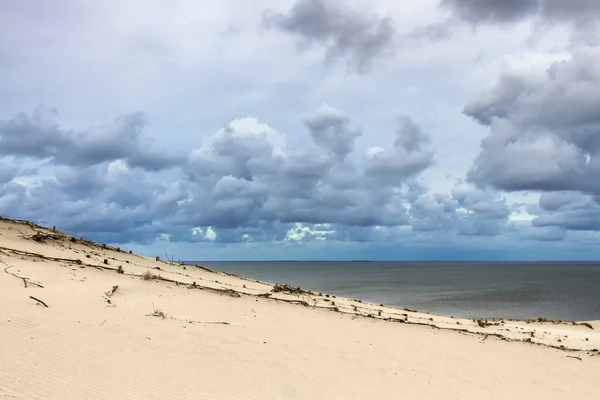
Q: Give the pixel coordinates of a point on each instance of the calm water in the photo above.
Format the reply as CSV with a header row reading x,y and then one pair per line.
x,y
482,290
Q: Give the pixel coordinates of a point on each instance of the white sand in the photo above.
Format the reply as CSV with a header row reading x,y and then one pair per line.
x,y
89,345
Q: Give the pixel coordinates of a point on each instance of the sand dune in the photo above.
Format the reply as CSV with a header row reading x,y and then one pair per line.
x,y
165,331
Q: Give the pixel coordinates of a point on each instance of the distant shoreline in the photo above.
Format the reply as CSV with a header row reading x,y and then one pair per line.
x,y
396,262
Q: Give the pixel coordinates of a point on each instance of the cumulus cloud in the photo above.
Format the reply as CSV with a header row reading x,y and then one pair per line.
x,y
110,202
243,182
569,211
466,211
39,136
359,38
330,129
411,153
257,179
544,129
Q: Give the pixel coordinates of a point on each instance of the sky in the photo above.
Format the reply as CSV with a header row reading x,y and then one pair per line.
x,y
306,129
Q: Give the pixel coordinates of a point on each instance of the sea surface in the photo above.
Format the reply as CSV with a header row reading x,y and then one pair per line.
x,y
568,291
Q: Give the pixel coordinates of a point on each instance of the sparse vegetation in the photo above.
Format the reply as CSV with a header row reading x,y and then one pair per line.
x,y
148,276
484,323
288,289
158,313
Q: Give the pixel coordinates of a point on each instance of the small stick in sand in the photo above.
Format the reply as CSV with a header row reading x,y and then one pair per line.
x,y
39,301
112,291
579,358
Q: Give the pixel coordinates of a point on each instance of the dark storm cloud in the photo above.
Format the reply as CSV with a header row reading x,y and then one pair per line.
x,y
244,185
257,179
96,201
503,11
39,136
569,210
545,130
547,234
476,11
344,33
467,211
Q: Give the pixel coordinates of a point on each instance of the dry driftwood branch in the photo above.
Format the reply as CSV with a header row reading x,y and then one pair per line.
x,y
24,278
39,301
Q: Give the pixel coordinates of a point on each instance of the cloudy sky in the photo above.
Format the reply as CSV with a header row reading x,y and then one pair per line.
x,y
306,129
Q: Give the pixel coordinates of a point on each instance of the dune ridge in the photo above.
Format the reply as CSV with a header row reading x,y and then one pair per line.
x,y
86,320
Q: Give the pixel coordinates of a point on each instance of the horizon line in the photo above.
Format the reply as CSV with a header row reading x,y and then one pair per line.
x,y
410,261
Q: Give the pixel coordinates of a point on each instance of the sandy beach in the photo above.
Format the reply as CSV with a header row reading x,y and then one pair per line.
x,y
80,320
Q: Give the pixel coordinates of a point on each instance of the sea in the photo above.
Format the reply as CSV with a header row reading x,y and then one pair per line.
x,y
564,291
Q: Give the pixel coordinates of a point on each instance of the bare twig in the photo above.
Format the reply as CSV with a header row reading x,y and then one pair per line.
x,y
103,322
39,301
579,358
170,260
24,278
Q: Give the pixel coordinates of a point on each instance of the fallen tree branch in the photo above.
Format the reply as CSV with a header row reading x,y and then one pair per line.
x,y
39,301
24,278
